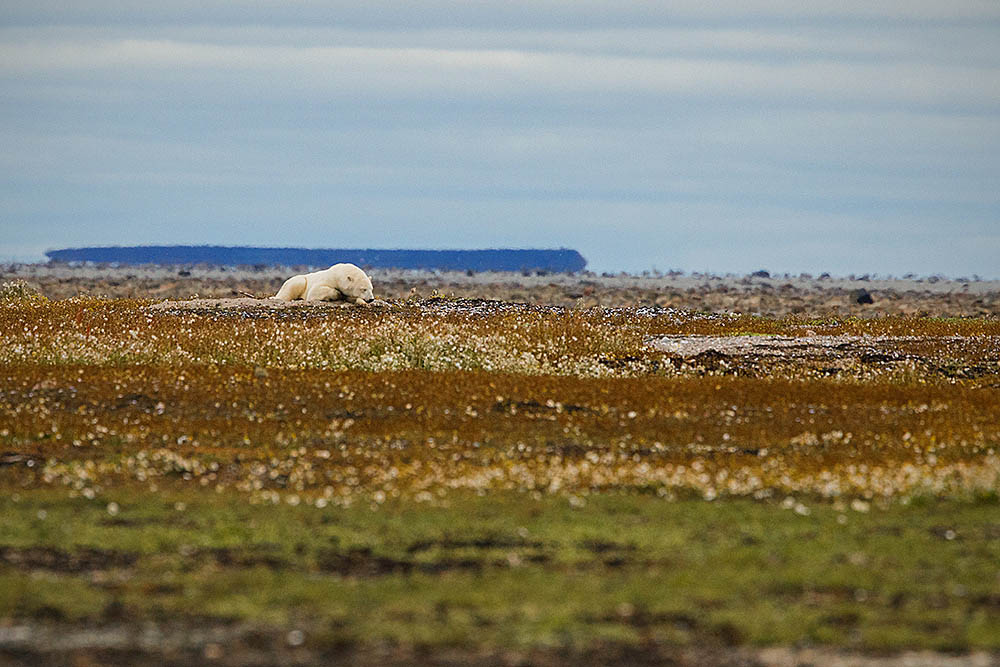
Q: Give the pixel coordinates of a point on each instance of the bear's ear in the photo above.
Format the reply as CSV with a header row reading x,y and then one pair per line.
x,y
350,279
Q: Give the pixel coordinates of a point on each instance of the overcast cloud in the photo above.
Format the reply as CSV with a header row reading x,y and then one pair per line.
x,y
848,137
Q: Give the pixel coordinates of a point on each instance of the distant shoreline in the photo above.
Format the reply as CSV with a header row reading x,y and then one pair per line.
x,y
480,259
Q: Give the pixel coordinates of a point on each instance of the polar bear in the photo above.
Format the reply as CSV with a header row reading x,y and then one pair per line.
x,y
340,281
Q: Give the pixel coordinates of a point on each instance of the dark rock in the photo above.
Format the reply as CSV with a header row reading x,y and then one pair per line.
x,y
861,296
760,274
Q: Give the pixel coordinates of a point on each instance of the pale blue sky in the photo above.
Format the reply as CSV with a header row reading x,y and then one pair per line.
x,y
848,137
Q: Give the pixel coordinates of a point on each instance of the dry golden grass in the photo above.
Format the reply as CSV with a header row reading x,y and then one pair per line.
x,y
435,335
419,399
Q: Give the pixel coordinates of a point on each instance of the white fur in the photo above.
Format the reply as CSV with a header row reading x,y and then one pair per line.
x,y
340,281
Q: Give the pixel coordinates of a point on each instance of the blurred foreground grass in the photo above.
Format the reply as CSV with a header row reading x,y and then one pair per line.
x,y
508,571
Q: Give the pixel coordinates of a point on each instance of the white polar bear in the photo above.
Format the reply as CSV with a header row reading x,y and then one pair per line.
x,y
340,281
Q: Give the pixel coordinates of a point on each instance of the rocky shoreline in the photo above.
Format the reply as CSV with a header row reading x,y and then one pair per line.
x,y
767,295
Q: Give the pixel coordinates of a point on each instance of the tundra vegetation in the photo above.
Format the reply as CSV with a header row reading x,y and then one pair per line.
x,y
483,479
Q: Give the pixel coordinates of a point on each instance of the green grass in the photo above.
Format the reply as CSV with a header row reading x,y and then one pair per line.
x,y
505,570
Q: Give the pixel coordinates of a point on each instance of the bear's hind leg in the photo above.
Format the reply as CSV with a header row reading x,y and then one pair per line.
x,y
293,289
323,293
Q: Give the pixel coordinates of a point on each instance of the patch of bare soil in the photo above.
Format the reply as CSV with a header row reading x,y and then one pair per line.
x,y
831,355
83,559
798,347
228,643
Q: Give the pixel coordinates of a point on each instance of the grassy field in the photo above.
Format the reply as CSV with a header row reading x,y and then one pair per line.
x,y
490,482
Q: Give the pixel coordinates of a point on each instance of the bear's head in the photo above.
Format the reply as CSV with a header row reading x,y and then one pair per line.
x,y
355,284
